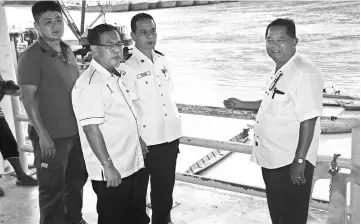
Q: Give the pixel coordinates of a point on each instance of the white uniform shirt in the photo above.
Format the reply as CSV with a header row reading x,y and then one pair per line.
x,y
99,97
150,87
278,119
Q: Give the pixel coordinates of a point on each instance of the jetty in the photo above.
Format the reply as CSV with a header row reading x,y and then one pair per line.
x,y
138,5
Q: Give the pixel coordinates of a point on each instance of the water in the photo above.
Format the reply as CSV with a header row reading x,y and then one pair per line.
x,y
218,51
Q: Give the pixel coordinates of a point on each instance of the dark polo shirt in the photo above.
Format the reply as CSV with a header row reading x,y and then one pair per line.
x,y
54,75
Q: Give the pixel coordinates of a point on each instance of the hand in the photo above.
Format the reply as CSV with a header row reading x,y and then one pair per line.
x,y
47,146
297,172
144,147
232,103
112,176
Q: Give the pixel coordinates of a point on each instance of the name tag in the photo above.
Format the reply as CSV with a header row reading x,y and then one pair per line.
x,y
144,74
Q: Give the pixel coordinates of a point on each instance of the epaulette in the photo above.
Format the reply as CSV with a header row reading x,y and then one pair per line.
x,y
127,57
158,52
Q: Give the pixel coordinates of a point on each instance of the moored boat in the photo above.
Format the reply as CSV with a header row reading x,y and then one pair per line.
x,y
184,3
200,2
216,155
167,4
135,6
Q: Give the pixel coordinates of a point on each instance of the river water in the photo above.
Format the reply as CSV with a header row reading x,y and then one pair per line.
x,y
218,51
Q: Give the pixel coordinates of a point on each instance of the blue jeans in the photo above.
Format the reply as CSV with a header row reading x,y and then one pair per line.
x,y
61,182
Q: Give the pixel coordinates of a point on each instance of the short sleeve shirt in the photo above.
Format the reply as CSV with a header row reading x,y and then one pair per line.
x,y
54,75
296,97
99,97
150,86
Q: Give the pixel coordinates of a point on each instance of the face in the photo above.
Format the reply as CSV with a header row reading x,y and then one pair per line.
x,y
145,36
280,47
50,26
110,55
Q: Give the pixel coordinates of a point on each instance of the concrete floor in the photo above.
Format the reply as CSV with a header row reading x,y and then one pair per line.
x,y
198,205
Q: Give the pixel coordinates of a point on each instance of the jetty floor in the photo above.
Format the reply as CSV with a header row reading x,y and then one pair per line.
x,y
198,205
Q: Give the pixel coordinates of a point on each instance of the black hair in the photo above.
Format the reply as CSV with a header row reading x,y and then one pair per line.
x,y
94,34
138,17
43,6
288,23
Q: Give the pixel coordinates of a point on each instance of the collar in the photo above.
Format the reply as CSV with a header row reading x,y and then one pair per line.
x,y
100,69
45,45
286,64
139,55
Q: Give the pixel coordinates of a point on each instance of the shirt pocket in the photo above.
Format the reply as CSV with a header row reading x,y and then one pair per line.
x,y
279,104
144,87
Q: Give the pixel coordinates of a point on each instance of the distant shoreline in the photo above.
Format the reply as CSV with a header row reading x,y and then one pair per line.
x,y
18,3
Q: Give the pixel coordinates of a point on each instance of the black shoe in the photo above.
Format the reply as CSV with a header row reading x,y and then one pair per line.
x,y
82,221
2,193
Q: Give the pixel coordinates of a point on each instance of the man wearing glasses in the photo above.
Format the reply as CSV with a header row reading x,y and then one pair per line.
x,y
287,128
110,139
149,80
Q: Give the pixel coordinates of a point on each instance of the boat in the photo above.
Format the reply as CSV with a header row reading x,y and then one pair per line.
x,y
200,2
121,7
216,155
167,4
153,4
135,6
214,2
184,3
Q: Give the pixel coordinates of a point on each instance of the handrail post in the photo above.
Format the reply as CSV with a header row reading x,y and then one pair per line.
x,y
355,189
10,105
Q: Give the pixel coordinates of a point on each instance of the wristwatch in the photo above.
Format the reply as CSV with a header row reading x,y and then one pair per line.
x,y
299,160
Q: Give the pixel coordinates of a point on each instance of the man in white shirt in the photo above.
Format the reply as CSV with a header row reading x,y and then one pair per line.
x,y
112,147
287,128
149,81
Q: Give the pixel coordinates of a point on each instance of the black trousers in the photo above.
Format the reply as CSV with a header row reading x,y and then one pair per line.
x,y
287,202
61,182
161,164
8,145
124,204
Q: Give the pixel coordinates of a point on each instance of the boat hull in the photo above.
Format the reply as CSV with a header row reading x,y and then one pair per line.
x,y
152,5
122,7
138,6
335,125
184,3
200,2
167,4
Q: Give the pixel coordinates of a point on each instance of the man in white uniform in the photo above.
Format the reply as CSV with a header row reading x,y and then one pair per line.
x,y
109,133
147,76
287,126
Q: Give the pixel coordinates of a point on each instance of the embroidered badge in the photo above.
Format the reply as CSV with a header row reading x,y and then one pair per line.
x,y
45,165
144,74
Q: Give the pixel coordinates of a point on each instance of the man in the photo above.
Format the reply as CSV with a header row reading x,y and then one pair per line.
x,y
287,125
147,76
47,72
8,145
110,137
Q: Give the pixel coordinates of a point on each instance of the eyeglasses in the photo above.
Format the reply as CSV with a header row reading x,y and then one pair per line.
x,y
273,84
111,46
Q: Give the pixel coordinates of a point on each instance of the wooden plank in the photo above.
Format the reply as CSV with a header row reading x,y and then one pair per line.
x,y
329,124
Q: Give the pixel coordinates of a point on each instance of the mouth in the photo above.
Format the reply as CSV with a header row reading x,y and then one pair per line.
x,y
56,32
117,58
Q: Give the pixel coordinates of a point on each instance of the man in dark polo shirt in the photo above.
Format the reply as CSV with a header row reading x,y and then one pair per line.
x,y
47,72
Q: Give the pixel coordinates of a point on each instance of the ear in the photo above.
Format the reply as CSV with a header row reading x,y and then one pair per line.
x,y
37,27
94,50
133,36
295,41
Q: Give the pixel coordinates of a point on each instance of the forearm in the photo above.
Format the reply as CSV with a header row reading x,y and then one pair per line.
x,y
307,129
32,110
250,105
96,142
